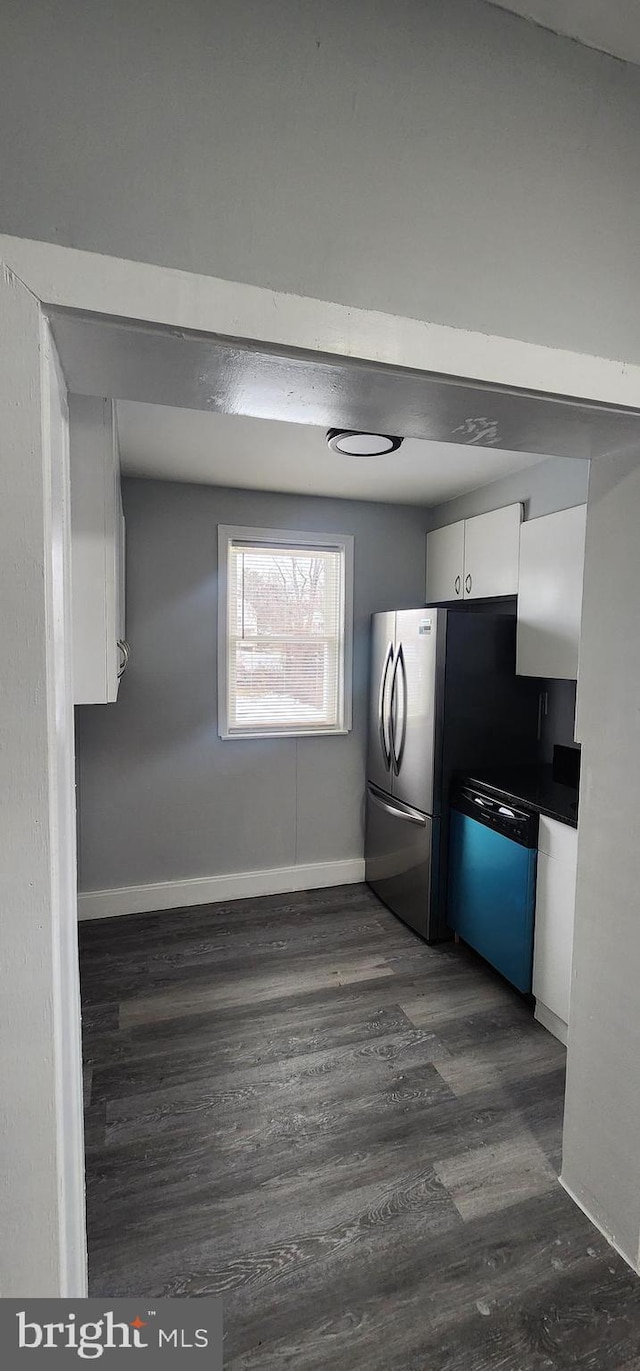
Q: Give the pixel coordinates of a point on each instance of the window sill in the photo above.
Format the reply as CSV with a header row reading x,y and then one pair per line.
x,y
284,733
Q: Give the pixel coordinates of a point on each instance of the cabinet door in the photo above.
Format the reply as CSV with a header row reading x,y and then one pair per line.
x,y
550,594
95,550
491,553
120,601
445,563
121,569
553,940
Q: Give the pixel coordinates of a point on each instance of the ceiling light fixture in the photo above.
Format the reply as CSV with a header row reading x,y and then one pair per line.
x,y
353,444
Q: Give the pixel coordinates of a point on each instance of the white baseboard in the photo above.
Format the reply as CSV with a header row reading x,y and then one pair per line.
x,y
551,1022
144,899
611,1240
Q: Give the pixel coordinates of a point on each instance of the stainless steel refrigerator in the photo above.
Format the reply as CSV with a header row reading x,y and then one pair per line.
x,y
444,699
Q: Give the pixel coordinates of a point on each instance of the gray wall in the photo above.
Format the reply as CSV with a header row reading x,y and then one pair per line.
x,y
435,158
161,797
560,483
601,1161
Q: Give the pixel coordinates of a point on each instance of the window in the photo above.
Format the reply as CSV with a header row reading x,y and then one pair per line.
x,y
285,631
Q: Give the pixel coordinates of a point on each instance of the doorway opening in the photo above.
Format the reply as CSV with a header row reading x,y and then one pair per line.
x,y
201,1001
589,416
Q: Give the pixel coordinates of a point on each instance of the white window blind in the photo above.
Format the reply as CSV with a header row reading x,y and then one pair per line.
x,y
286,624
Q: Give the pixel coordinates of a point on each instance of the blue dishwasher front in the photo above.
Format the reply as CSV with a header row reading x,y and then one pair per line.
x,y
492,880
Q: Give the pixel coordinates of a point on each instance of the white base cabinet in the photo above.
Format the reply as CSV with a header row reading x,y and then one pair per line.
x,y
553,938
97,551
476,558
550,594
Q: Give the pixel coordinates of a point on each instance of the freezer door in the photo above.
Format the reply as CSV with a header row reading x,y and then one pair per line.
x,y
379,761
398,858
416,690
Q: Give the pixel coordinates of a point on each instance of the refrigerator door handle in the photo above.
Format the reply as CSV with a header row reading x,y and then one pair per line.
x,y
392,710
398,751
410,815
383,723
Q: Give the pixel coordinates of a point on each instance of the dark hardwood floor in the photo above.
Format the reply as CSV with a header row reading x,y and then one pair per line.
x,y
353,1137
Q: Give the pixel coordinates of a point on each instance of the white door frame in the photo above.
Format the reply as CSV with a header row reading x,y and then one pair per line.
x,y
45,1252
90,282
42,1220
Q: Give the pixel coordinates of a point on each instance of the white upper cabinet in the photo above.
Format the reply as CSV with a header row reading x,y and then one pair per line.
x,y
475,558
550,594
445,563
491,552
97,550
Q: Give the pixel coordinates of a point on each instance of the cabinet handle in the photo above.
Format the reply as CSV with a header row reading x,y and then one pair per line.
x,y
468,584
124,648
457,584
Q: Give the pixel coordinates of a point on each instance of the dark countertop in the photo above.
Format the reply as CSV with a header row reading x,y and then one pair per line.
x,y
533,786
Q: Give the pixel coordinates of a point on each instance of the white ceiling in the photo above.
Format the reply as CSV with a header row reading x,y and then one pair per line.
x,y
613,26
157,441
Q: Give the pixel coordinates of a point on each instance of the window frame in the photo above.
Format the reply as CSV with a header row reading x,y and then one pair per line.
x,y
271,537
